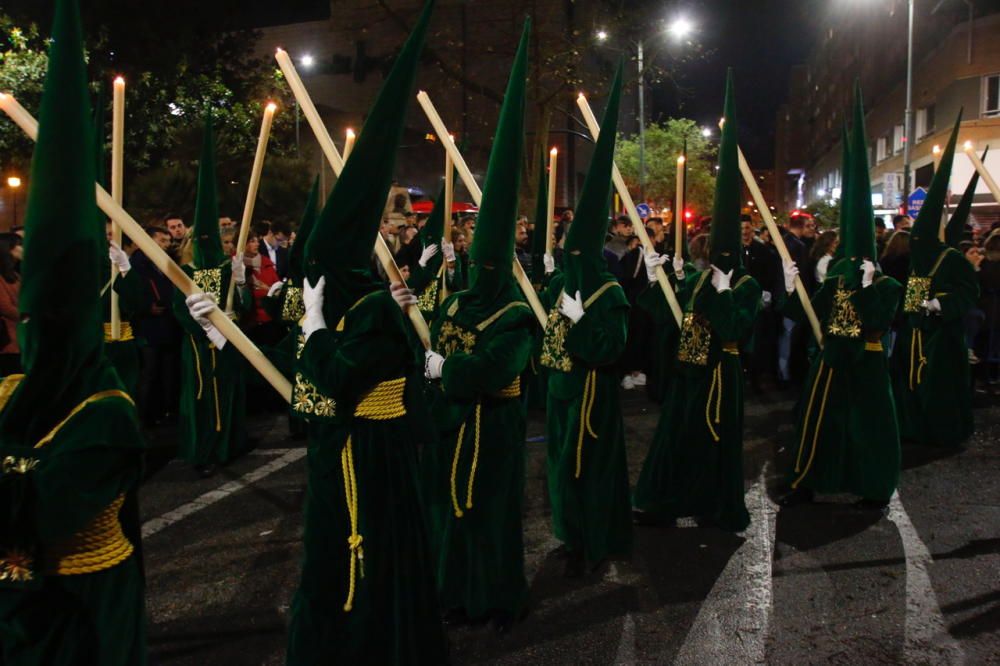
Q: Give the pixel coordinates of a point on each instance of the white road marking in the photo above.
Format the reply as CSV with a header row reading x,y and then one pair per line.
x,y
926,639
274,452
732,623
154,525
626,646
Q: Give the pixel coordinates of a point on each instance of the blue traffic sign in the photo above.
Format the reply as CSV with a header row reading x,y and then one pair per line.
x,y
915,201
644,210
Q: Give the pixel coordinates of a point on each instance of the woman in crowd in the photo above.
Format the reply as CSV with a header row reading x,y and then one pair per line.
x,y
10,285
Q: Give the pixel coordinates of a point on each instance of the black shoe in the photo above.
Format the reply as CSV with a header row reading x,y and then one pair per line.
x,y
575,567
796,497
205,471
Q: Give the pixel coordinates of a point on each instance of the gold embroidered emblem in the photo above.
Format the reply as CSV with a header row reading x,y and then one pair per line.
x,y
453,338
12,465
306,399
554,342
293,308
209,280
16,566
427,302
917,291
695,340
844,320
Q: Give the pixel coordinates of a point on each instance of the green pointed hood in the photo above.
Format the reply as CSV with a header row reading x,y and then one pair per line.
x,y
956,225
542,213
205,232
925,243
846,182
857,208
492,248
296,256
583,258
340,245
61,333
725,239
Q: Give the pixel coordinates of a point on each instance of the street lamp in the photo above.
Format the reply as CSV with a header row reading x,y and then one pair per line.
x,y
14,183
680,28
706,132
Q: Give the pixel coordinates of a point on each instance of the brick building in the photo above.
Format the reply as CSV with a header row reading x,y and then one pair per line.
x,y
956,65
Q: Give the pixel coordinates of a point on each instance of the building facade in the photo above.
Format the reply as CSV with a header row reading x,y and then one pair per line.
x,y
956,67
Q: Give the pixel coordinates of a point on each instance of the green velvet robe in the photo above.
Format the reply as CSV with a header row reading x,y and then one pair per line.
x,y
83,619
590,509
930,362
213,395
133,299
847,436
476,467
395,617
695,464
426,284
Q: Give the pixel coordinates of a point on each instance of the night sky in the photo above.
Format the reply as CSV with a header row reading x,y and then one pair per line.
x,y
761,39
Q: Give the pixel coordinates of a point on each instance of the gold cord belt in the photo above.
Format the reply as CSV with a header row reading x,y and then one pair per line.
x,y
819,422
382,403
714,390
917,358
472,470
513,390
125,329
98,546
586,407
873,346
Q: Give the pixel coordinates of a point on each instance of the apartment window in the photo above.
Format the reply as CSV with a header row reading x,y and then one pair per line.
x,y
880,148
991,95
897,139
925,121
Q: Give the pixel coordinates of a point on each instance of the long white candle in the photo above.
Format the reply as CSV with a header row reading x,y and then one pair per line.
x,y
981,168
550,207
251,200
679,212
117,189
349,143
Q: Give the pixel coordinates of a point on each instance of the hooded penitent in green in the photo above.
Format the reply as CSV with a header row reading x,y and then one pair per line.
x,y
367,592
930,360
474,473
71,586
695,464
535,377
845,184
847,437
213,394
587,471
955,230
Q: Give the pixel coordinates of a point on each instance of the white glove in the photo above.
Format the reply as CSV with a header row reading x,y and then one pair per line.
x,y
791,272
200,306
652,261
449,251
572,308
867,273
275,288
550,263
239,271
766,298
433,365
402,294
119,258
932,306
312,298
678,264
720,280
426,255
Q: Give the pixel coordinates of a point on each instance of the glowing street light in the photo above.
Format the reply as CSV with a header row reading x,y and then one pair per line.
x,y
307,61
602,35
706,132
14,182
681,28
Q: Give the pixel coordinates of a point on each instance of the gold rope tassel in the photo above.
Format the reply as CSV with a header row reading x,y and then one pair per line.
x,y
454,472
819,425
475,458
922,359
197,365
714,390
805,422
586,407
354,541
472,472
215,390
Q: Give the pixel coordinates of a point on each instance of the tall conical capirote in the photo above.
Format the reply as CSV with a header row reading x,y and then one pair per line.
x,y
955,230
925,239
725,243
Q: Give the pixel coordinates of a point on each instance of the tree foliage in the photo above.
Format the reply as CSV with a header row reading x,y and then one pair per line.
x,y
664,143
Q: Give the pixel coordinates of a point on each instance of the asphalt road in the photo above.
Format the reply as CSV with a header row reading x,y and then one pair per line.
x,y
821,584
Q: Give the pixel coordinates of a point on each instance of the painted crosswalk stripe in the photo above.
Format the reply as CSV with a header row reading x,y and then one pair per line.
x,y
732,623
154,525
